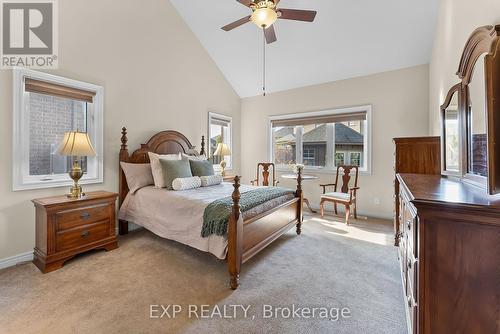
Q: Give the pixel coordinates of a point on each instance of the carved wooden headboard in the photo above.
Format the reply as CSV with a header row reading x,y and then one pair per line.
x,y
165,142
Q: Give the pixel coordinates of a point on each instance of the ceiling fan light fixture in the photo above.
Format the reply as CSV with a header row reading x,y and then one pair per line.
x,y
264,17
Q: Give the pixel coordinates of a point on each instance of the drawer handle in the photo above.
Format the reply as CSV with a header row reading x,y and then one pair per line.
x,y
85,215
85,234
409,224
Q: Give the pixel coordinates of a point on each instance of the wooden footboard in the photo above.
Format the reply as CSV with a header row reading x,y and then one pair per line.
x,y
247,238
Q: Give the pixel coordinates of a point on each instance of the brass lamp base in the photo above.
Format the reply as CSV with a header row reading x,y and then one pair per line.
x,y
223,168
76,174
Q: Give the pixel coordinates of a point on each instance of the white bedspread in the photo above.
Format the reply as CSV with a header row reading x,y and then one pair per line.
x,y
178,215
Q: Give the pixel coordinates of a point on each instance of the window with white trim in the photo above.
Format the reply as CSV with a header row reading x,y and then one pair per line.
x,y
322,140
219,131
45,108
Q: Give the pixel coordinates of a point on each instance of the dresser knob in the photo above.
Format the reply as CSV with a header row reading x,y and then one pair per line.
x,y
85,215
411,302
85,234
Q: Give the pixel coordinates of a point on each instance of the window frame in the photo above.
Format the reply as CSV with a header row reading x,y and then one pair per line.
x,y
228,119
366,170
21,179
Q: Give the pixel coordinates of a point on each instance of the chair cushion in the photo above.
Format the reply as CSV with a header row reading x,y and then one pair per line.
x,y
336,195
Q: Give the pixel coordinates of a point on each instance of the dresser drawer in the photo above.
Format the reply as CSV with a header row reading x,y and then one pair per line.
x,y
82,235
68,219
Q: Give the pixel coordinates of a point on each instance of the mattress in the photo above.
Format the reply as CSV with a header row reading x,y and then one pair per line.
x,y
178,215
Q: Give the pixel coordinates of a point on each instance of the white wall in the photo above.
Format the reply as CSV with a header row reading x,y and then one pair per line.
x,y
456,21
156,76
400,101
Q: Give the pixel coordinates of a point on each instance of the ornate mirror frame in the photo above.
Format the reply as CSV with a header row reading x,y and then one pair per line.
x,y
484,40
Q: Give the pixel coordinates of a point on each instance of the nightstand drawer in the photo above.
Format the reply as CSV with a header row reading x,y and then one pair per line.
x,y
81,216
82,235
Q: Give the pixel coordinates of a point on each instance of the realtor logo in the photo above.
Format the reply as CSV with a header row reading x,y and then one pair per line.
x,y
29,33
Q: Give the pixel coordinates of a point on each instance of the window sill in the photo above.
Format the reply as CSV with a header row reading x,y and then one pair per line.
x,y
54,184
326,171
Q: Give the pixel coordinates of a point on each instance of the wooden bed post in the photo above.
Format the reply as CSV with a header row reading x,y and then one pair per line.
x,y
300,195
235,238
124,156
202,151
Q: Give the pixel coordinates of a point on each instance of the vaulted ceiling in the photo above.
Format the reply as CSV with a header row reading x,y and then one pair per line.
x,y
348,39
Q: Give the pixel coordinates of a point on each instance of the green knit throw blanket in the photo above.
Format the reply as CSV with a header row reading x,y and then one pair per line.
x,y
216,214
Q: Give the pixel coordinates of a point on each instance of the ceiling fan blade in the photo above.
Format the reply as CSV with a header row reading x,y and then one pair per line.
x,y
270,34
297,14
236,24
245,2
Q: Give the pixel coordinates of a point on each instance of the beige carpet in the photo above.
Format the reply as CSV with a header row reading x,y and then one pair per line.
x,y
329,265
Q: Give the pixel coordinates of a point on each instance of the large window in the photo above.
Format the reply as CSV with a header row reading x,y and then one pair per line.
x,y
45,108
219,132
322,140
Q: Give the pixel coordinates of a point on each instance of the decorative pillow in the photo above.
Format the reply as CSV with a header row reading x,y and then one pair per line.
x,y
156,166
173,169
185,183
138,176
194,157
201,167
212,180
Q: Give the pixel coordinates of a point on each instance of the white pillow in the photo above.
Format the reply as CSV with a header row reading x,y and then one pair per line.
x,y
138,176
211,180
194,157
185,183
156,169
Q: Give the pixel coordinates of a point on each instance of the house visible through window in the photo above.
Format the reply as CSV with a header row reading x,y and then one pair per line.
x,y
219,131
322,140
45,108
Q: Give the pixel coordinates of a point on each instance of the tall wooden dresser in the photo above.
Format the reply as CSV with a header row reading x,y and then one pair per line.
x,y
419,155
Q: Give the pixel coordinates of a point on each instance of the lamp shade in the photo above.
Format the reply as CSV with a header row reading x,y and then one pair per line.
x,y
76,144
222,150
264,17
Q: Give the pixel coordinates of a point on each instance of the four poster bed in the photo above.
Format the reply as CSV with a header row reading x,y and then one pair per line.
x,y
246,234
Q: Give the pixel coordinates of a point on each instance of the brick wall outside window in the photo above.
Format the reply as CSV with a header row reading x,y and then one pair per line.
x,y
50,118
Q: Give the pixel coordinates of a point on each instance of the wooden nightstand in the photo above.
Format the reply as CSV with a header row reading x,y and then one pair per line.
x,y
66,227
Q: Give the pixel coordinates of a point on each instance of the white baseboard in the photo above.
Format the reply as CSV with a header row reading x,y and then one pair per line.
x,y
16,259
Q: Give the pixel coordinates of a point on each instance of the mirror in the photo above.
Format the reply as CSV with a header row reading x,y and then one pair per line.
x,y
451,135
477,146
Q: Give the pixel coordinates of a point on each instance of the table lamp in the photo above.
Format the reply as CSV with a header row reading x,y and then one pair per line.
x,y
76,144
222,151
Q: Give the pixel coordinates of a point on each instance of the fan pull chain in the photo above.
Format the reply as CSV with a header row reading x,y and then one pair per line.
x,y
264,61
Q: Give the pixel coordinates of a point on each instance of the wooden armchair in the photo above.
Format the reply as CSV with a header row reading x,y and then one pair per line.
x,y
265,175
346,196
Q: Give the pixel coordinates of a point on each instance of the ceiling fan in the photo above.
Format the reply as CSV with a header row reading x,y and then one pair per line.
x,y
265,13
